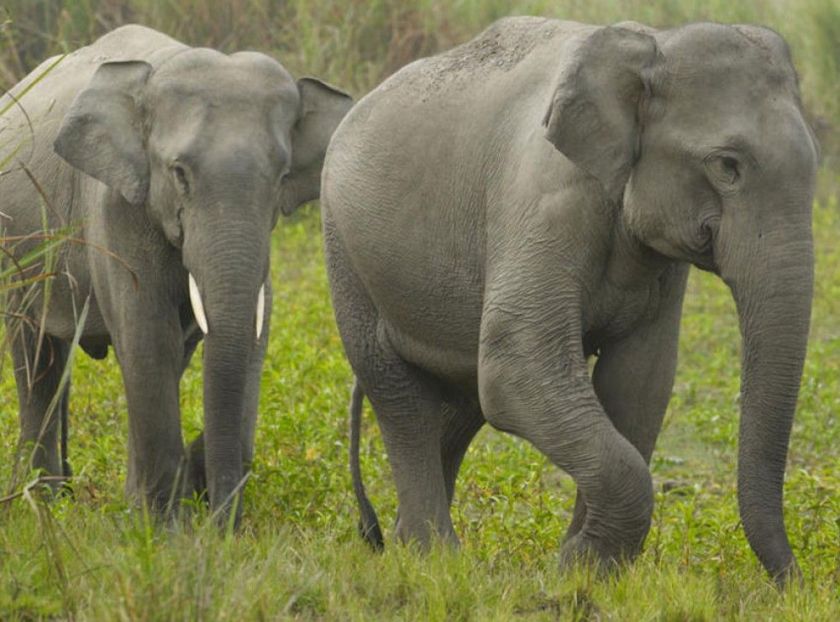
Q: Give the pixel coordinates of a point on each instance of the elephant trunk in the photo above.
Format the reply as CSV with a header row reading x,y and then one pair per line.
x,y
771,279
228,298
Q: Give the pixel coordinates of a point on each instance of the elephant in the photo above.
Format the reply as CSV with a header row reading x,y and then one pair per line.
x,y
174,164
498,217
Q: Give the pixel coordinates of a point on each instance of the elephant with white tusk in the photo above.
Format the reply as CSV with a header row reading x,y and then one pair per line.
x,y
176,163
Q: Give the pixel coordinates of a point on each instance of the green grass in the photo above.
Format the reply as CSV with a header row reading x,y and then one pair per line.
x,y
93,557
298,556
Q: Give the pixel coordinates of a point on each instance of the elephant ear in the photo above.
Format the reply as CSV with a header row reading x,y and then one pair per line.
x,y
593,118
102,133
322,107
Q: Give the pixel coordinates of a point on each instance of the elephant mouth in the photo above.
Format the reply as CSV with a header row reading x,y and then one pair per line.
x,y
704,256
197,304
707,263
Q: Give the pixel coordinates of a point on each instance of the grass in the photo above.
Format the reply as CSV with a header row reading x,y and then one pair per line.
x,y
92,557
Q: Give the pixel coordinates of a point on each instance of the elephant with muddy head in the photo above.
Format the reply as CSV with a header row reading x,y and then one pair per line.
x,y
498,216
175,162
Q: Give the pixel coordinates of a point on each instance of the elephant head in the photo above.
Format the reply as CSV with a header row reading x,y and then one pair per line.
x,y
698,135
214,148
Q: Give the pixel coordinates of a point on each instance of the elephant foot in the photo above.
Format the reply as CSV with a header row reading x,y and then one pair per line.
x,y
160,493
56,486
424,534
605,558
790,576
64,488
66,469
196,473
53,476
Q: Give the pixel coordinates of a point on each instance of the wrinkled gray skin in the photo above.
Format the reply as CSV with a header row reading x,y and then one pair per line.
x,y
178,161
497,215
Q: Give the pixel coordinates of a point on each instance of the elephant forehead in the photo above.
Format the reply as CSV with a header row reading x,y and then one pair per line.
x,y
202,71
717,57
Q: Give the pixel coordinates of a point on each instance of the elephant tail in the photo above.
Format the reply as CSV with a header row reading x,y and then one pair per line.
x,y
368,523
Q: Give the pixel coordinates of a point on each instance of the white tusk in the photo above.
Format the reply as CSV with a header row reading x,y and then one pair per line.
x,y
260,311
197,305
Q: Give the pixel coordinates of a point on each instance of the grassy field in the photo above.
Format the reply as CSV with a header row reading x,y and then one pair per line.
x,y
298,556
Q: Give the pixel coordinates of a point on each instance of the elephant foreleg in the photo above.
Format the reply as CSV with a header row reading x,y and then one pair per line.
x,y
151,355
633,379
534,382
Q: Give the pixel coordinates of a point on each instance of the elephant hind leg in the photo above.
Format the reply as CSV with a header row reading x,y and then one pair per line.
x,y
462,421
409,407
42,412
407,402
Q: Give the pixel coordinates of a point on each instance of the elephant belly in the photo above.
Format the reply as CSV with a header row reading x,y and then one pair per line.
x,y
453,362
64,311
431,315
70,291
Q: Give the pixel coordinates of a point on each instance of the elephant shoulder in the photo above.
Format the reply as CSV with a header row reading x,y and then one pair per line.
x,y
513,60
506,45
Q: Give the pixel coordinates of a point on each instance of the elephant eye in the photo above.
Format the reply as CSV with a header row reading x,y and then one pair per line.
x,y
729,167
724,171
179,173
